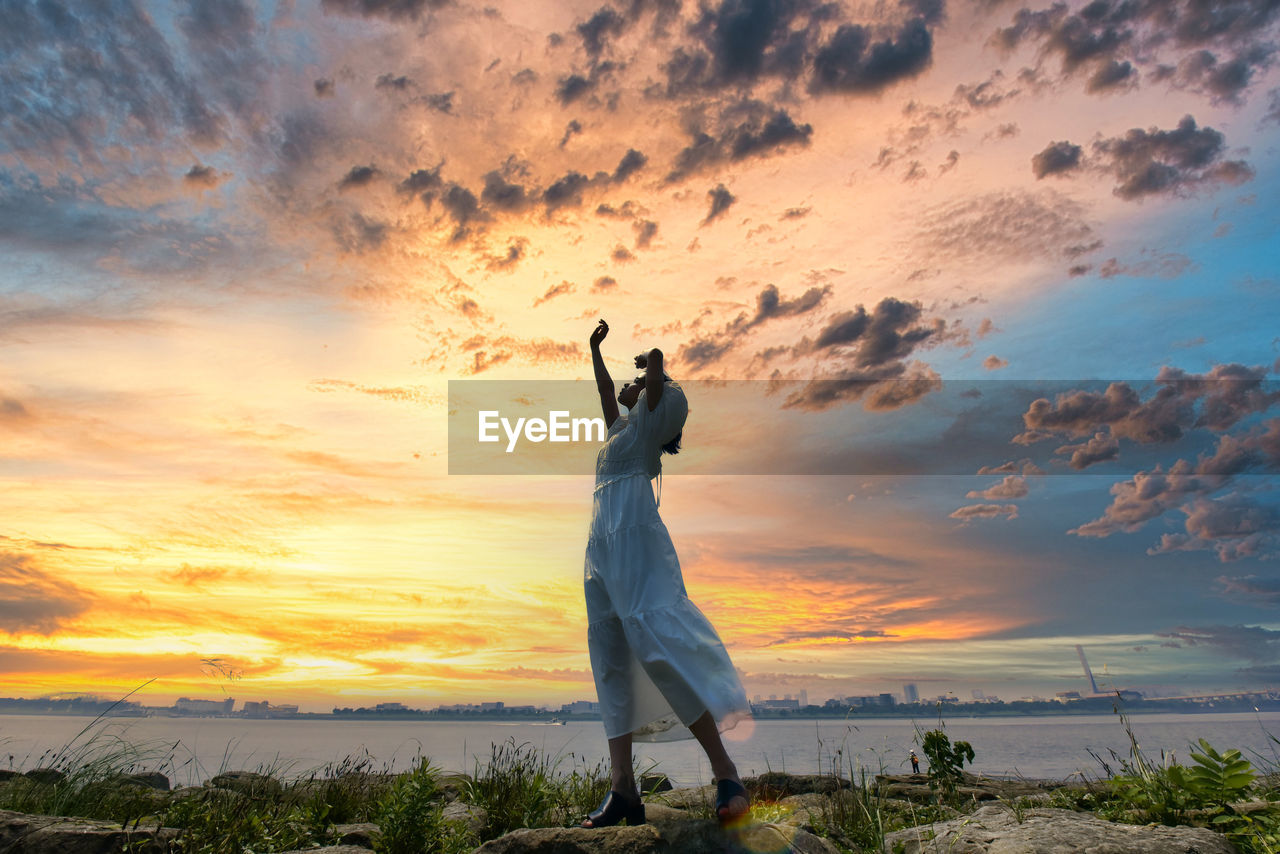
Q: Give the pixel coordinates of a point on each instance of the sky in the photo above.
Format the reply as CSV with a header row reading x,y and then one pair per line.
x,y
975,303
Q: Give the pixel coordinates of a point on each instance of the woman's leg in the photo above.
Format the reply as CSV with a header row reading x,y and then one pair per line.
x,y
722,767
622,774
622,778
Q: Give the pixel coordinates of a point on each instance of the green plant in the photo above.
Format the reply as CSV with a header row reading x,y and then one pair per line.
x,y
410,816
946,762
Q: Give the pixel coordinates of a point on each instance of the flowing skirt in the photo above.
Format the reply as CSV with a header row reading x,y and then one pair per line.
x,y
658,662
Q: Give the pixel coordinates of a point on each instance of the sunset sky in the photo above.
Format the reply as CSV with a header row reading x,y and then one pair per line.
x,y
1027,250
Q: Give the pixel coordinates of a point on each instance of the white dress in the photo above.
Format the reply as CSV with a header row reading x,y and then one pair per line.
x,y
657,661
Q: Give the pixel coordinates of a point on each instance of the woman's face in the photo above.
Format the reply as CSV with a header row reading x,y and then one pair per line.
x,y
631,392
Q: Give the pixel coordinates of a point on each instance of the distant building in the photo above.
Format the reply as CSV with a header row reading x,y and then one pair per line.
x,y
887,700
492,707
804,698
186,705
775,703
910,694
581,707
392,707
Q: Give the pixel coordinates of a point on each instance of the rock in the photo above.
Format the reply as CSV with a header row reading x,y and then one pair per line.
x,y
469,815
998,829
246,783
454,784
361,835
150,779
6,774
42,834
662,835
45,775
655,783
915,787
807,810
694,799
775,785
330,849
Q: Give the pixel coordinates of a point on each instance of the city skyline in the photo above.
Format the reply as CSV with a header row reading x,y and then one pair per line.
x,y
1014,261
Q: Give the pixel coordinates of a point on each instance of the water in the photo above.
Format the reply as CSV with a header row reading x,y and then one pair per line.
x,y
1038,747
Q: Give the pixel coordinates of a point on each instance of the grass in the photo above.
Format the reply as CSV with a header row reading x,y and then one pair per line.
x,y
425,810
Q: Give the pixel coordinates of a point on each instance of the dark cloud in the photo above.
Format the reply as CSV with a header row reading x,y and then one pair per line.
x,y
1224,81
749,129
441,102
503,195
1252,588
1111,38
621,255
359,234
1154,161
851,62
632,162
392,9
324,87
1057,158
1101,447
596,29
32,600
1224,395
1112,75
721,199
770,305
572,87
461,204
1012,486
511,258
646,230
570,130
604,283
562,289
740,42
391,81
985,511
358,176
1251,643
422,181
565,191
795,213
204,177
1235,526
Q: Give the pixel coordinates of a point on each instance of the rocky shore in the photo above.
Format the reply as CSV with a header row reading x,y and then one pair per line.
x,y
791,813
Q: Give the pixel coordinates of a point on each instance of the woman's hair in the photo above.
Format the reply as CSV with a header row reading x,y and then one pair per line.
x,y
673,447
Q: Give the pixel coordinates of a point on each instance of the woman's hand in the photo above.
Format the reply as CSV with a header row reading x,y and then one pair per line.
x,y
599,333
642,360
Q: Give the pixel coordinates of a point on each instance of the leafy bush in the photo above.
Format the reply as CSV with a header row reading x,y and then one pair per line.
x,y
411,819
946,762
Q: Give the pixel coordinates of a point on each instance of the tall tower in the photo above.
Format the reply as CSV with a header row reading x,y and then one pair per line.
x,y
910,694
1087,672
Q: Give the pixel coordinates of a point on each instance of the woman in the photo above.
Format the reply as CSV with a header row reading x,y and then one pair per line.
x,y
657,661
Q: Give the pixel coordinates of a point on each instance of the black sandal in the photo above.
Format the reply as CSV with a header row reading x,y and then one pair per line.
x,y
614,809
726,791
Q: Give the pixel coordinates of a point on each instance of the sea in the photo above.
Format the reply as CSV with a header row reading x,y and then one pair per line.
x,y
191,750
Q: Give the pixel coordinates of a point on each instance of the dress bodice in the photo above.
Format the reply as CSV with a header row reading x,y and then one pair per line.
x,y
635,440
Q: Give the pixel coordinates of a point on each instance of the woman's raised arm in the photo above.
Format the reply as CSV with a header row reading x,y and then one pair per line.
x,y
653,377
604,382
